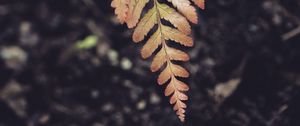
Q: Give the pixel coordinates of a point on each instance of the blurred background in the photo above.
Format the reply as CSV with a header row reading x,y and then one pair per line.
x,y
70,63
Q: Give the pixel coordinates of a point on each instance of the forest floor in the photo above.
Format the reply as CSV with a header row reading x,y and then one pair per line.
x,y
245,66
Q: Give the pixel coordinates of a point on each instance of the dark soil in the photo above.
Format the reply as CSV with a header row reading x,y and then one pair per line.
x,y
245,67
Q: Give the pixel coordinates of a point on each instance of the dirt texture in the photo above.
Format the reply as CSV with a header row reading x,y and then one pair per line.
x,y
245,66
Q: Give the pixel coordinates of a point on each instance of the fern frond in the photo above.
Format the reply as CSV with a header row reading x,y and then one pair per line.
x,y
159,40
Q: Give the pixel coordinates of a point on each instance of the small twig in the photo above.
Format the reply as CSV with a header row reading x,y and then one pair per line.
x,y
291,34
293,18
277,115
